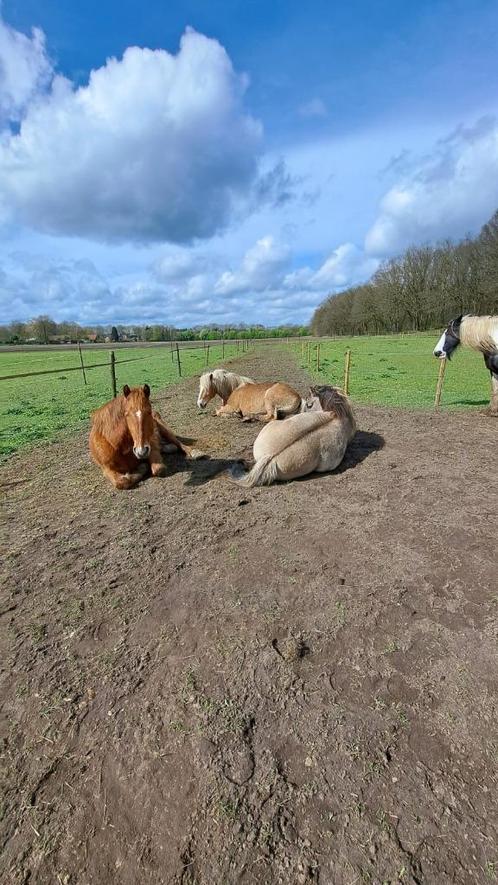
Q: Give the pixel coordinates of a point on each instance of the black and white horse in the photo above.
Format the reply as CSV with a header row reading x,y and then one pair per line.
x,y
480,333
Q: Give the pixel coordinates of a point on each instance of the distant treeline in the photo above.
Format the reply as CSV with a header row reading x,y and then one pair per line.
x,y
44,330
422,289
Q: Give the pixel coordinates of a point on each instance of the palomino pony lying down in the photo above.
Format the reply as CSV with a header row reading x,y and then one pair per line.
x,y
314,440
247,398
126,438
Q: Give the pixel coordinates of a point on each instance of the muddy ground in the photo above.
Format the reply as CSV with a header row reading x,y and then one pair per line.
x,y
288,685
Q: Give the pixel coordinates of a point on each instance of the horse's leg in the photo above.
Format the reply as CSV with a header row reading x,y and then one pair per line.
x,y
270,412
157,465
493,405
169,437
491,361
125,480
228,412
112,466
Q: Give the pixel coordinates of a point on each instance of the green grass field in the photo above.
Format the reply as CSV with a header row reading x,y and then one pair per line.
x,y
401,371
39,408
388,370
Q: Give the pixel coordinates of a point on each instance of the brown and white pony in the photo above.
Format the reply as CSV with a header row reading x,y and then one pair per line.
x,y
246,398
126,438
314,440
479,333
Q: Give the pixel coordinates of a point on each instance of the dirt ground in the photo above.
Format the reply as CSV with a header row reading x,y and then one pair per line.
x,y
297,684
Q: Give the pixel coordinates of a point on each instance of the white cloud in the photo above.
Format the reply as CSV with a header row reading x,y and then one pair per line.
x,y
449,193
345,266
30,285
261,268
25,70
178,265
155,147
314,108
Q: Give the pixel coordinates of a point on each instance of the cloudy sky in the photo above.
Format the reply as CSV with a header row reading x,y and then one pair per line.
x,y
234,160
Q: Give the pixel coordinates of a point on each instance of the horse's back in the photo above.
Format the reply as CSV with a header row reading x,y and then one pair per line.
x,y
280,435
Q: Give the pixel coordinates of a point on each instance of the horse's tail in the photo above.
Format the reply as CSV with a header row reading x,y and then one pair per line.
x,y
263,473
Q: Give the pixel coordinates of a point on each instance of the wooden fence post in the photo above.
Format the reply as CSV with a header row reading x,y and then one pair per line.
x,y
439,386
81,361
172,351
318,356
347,365
223,347
113,373
178,360
207,354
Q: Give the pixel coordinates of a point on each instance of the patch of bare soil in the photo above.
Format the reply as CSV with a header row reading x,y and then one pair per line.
x,y
293,684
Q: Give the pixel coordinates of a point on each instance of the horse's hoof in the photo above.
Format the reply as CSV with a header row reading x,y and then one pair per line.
x,y
158,470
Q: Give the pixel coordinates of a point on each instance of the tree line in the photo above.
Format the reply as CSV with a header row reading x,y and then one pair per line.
x,y
424,288
44,330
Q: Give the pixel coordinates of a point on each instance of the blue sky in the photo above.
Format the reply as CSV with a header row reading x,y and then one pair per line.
x,y
244,168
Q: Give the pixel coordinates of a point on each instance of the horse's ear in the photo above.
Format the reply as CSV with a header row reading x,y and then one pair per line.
x,y
211,376
126,390
147,390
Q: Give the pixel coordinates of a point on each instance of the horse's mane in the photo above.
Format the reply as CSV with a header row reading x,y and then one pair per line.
x,y
334,400
477,332
224,381
108,415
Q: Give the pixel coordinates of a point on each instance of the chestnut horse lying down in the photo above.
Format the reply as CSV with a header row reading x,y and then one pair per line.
x,y
316,439
246,398
126,438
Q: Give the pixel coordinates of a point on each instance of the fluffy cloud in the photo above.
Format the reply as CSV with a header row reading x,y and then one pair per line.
x,y
181,287
345,266
447,194
155,147
261,269
25,70
177,266
64,289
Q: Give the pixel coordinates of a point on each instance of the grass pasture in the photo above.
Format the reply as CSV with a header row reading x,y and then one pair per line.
x,y
41,407
395,370
399,370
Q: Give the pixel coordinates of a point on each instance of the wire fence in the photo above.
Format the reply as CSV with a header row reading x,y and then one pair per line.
x,y
39,403
36,403
373,371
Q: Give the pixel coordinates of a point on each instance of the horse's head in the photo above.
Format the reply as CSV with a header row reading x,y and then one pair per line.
x,y
311,403
206,390
138,417
331,399
449,341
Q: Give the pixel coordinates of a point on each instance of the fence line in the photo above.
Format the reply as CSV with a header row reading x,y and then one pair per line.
x,y
306,355
134,359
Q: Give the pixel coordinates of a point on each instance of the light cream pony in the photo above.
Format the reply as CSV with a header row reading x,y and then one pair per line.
x,y
246,398
314,440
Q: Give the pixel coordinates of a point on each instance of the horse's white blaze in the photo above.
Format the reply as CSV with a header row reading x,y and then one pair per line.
x,y
138,413
440,345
